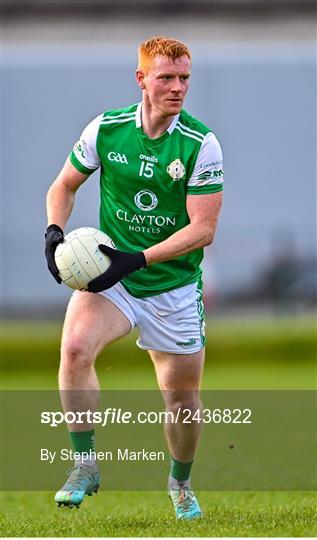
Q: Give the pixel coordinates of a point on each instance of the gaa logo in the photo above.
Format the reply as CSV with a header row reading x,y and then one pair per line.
x,y
119,158
146,200
176,169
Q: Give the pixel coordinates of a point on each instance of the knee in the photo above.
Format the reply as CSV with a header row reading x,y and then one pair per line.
x,y
76,352
189,400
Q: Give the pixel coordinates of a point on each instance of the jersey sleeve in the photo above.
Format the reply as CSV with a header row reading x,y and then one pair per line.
x,y
84,155
207,176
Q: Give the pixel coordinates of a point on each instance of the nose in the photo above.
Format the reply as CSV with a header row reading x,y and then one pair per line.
x,y
176,86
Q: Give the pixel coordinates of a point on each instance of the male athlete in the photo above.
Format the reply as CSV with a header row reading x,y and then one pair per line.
x,y
160,197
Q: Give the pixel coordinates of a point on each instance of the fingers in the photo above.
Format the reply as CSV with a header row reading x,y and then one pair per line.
x,y
53,236
55,275
106,250
98,284
51,263
53,269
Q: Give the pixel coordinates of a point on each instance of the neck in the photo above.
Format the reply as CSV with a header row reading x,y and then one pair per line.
x,y
153,123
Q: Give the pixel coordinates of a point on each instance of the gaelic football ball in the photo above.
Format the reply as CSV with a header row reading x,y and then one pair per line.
x,y
78,258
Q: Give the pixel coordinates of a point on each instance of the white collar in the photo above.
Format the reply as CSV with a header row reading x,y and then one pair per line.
x,y
138,121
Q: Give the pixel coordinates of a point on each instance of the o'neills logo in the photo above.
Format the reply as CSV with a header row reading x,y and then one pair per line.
x,y
152,159
146,219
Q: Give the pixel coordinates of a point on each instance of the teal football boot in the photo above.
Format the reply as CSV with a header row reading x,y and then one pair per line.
x,y
185,504
82,480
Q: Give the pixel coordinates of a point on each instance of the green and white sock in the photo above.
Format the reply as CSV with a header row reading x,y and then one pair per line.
x,y
83,441
179,474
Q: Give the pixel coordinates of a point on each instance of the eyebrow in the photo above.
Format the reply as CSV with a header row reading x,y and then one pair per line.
x,y
169,74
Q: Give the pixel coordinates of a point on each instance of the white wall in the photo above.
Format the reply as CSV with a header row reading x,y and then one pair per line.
x,y
258,96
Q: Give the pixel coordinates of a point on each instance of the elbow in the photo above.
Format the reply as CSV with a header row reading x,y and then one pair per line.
x,y
207,239
61,186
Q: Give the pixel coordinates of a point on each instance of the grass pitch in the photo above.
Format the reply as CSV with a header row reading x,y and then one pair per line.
x,y
151,514
243,355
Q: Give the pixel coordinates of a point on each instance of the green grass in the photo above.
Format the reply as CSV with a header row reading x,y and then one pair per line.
x,y
260,354
151,514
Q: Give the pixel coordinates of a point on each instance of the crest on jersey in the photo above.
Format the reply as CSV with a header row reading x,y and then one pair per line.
x,y
176,169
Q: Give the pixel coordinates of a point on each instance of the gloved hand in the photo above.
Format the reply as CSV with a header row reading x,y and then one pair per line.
x,y
53,236
122,264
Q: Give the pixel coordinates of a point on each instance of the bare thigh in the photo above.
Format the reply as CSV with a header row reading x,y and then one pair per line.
x,y
178,371
179,377
91,322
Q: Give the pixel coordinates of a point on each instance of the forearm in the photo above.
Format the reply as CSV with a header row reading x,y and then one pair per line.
x,y
59,204
203,212
191,237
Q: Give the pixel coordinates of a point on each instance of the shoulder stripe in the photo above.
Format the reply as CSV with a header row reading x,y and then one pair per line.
x,y
205,182
207,174
121,115
119,121
193,131
188,134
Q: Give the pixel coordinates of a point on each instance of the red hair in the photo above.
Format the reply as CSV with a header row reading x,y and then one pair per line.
x,y
160,46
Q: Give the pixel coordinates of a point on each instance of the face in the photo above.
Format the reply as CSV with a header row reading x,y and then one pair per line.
x,y
165,84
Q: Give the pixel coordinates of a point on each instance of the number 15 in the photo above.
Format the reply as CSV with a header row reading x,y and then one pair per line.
x,y
146,169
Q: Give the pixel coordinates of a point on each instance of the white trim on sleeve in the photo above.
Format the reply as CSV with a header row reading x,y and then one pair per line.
x,y
85,149
209,165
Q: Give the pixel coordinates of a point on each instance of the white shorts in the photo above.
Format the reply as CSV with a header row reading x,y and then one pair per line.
x,y
170,322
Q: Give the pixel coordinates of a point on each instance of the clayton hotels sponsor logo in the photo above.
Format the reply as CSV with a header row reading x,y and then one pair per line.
x,y
146,201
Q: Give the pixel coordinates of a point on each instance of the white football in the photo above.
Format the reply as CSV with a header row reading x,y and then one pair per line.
x,y
78,258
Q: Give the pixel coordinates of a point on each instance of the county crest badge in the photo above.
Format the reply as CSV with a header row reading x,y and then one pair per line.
x,y
176,169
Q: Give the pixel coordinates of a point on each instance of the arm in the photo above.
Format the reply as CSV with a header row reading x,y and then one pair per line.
x,y
203,212
203,202
61,194
59,204
82,162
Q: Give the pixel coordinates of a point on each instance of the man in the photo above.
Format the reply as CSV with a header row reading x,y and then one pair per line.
x,y
160,190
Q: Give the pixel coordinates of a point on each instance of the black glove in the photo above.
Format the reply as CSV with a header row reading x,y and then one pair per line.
x,y
122,264
53,236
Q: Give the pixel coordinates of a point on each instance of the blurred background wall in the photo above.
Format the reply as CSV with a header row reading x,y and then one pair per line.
x,y
253,82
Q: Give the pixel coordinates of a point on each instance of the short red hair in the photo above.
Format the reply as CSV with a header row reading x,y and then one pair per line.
x,y
160,46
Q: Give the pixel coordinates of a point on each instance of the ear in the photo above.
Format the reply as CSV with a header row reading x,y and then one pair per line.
x,y
140,75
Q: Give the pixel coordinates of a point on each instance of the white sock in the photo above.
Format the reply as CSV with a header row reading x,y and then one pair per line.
x,y
174,484
90,462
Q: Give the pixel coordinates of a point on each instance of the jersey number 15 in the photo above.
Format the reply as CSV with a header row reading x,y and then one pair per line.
x,y
146,169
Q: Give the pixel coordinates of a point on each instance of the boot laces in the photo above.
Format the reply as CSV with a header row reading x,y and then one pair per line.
x,y
185,499
77,477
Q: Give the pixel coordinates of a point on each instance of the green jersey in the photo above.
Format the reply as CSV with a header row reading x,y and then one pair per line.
x,y
143,187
